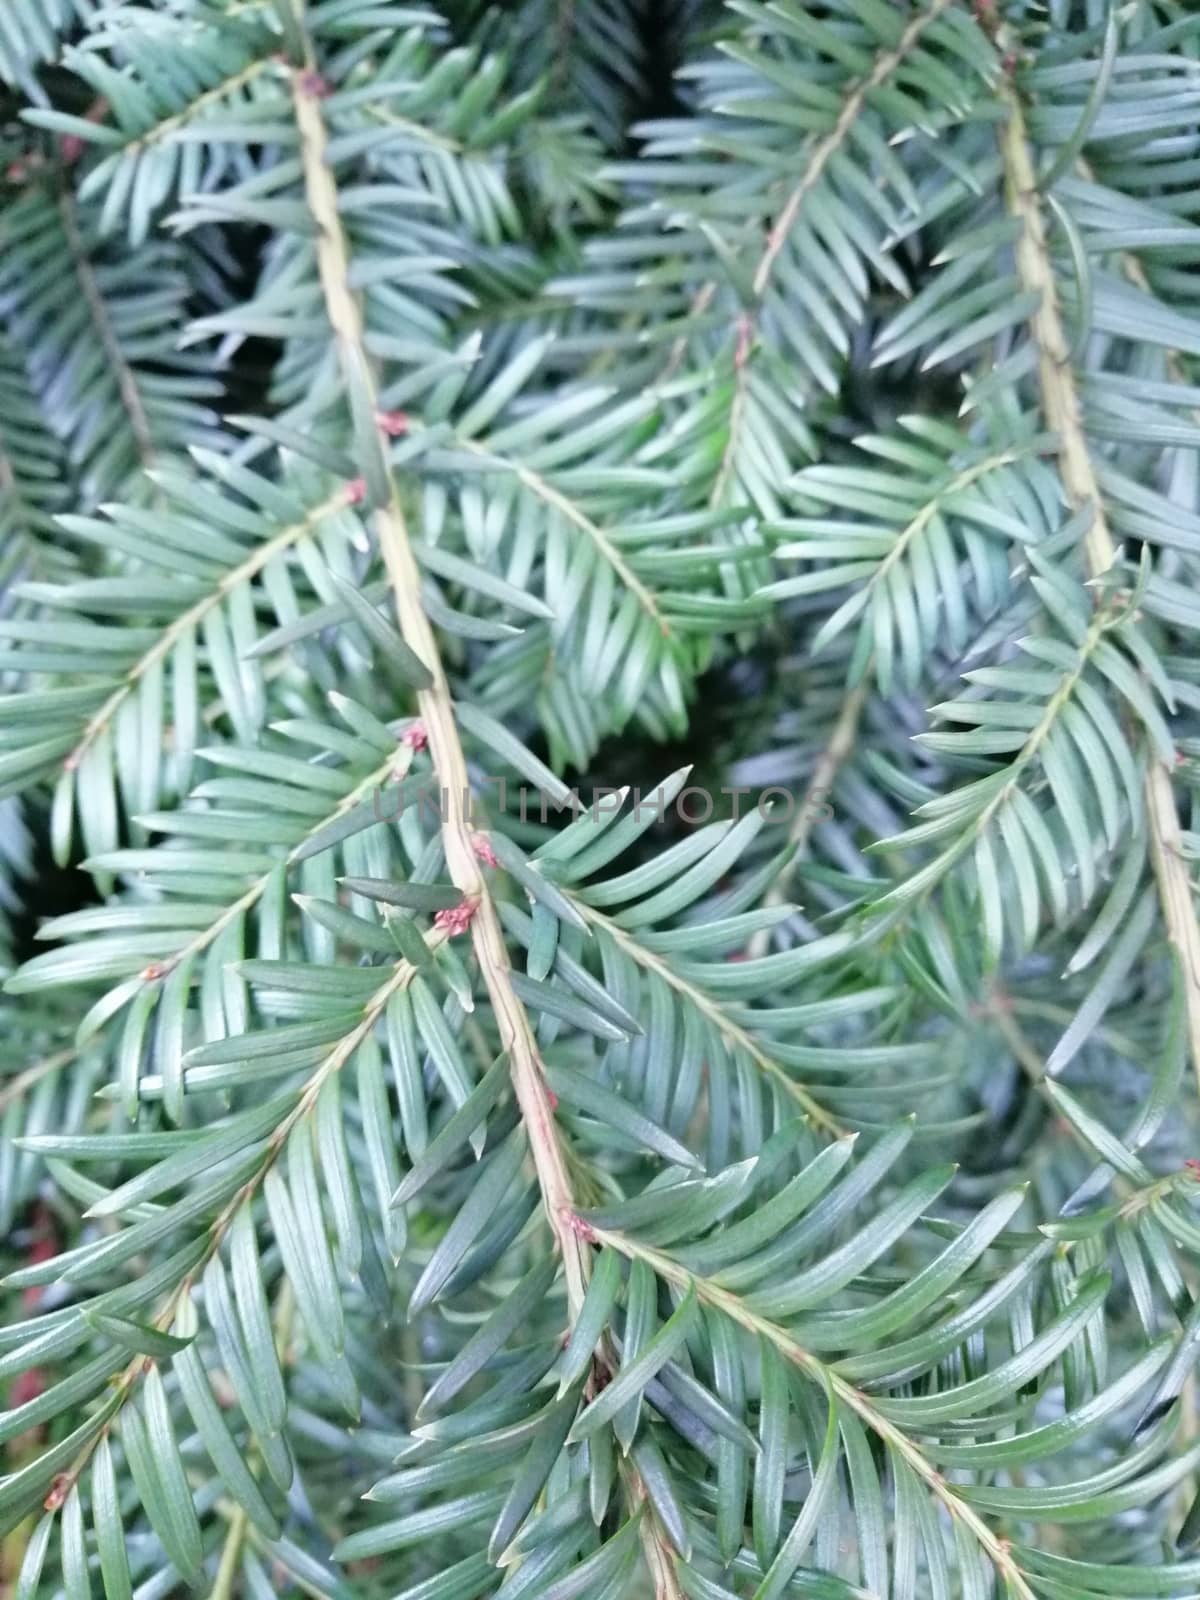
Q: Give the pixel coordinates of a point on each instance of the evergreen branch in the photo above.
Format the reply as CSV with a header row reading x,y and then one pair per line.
x,y
766,1360
1063,412
829,1380
1102,621
33,1075
572,513
131,398
446,753
123,1384
918,524
158,652
712,1011
437,713
394,768
162,131
832,758
1056,376
886,64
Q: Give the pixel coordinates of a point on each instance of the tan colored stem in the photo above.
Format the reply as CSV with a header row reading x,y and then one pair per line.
x,y
1061,405
1056,377
449,764
437,712
225,1583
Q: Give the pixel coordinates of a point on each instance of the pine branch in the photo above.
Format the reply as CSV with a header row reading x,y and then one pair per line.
x,y
394,769
32,1075
437,714
1060,399
832,758
772,1356
828,1379
101,721
1063,412
122,1386
460,844
887,63
712,1011
572,513
127,386
162,132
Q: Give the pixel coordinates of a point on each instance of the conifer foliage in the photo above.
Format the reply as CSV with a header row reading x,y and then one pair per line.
x,y
430,1169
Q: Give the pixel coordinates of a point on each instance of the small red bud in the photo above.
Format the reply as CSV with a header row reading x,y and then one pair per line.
x,y
456,919
356,491
393,423
482,847
59,1490
415,736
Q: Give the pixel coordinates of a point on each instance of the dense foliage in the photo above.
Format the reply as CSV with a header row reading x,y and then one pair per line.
x,y
446,1152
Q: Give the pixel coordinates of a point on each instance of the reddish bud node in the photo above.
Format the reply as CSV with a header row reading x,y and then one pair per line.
x,y
456,919
60,1488
482,847
415,736
356,491
393,423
